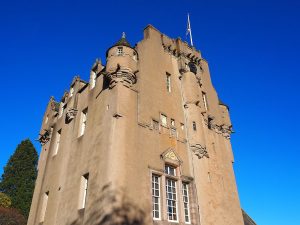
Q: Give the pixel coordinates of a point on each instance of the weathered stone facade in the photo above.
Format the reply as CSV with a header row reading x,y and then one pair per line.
x,y
150,113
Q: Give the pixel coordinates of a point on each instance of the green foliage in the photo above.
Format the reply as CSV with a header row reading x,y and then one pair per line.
x,y
19,176
10,216
5,201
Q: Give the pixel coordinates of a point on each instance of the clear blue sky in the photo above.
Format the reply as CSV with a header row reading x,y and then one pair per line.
x,y
253,50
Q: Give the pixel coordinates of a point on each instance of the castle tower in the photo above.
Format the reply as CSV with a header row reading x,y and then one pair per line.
x,y
145,141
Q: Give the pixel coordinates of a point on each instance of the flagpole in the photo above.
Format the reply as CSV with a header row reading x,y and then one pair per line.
x,y
190,30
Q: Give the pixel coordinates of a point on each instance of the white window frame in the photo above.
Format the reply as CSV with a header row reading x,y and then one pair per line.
x,y
72,91
204,97
83,191
83,121
168,82
172,199
93,79
120,51
57,142
44,206
186,202
170,170
154,195
163,120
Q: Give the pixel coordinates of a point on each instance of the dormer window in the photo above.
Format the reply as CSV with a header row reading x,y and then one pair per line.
x,y
120,51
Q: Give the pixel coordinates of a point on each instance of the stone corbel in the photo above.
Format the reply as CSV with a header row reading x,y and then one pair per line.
x,y
71,114
45,137
199,151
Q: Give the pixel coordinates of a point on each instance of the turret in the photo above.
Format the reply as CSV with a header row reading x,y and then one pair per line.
x,y
121,63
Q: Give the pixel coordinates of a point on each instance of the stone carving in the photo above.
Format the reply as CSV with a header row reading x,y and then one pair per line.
x,y
225,130
70,115
170,156
123,75
199,151
45,137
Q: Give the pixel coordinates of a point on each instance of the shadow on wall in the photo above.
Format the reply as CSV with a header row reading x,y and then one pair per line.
x,y
114,208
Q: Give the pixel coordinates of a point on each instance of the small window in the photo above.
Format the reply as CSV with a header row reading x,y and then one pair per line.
x,y
83,121
182,126
44,206
134,56
155,197
173,122
47,118
71,91
170,170
93,79
155,125
57,142
186,202
204,100
168,82
83,190
120,51
163,119
194,126
61,110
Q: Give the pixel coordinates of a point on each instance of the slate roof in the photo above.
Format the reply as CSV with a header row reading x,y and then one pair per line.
x,y
247,219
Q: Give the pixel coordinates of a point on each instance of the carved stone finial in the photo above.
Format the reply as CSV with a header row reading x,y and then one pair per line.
x,y
123,35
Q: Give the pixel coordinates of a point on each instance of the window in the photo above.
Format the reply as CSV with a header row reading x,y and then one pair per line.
x,y
170,179
93,79
204,100
163,119
57,141
186,202
61,110
83,121
194,126
71,91
168,82
46,119
173,122
171,199
120,51
83,190
156,197
170,170
182,126
134,56
155,125
44,206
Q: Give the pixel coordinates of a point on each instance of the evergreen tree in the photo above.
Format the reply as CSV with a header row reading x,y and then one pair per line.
x,y
19,176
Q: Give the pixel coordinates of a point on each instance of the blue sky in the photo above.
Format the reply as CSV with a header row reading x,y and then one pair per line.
x,y
252,48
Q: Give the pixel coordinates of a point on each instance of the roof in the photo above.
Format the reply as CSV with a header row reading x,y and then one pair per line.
x,y
122,42
247,219
222,103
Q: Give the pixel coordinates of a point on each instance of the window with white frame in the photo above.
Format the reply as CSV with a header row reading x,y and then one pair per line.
x,y
57,142
72,91
83,121
186,202
155,197
170,170
168,82
47,118
172,198
163,119
44,206
204,100
93,79
120,51
83,190
171,194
